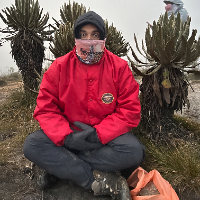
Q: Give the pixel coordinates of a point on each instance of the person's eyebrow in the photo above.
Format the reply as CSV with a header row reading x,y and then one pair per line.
x,y
82,30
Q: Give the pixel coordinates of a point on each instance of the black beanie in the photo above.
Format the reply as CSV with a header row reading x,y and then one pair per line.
x,y
90,18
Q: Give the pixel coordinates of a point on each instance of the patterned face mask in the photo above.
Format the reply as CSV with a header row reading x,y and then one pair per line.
x,y
168,7
171,8
89,51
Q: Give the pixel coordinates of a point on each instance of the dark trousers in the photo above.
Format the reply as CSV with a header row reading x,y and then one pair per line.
x,y
124,152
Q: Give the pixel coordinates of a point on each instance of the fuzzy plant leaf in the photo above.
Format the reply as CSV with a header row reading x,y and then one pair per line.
x,y
192,38
167,42
136,43
69,14
148,57
168,48
26,14
135,69
181,51
135,56
26,25
115,42
63,41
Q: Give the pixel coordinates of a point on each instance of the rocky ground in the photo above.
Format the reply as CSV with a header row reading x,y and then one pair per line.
x,y
193,112
18,178
8,88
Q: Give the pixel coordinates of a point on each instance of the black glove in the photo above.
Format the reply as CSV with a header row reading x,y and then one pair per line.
x,y
78,140
93,137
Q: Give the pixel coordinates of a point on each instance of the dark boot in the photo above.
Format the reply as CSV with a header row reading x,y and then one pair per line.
x,y
110,184
46,180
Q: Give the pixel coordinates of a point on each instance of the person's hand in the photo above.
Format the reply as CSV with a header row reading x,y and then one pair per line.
x,y
93,137
78,140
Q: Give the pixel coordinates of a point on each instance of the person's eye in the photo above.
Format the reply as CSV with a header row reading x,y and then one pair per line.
x,y
96,35
83,34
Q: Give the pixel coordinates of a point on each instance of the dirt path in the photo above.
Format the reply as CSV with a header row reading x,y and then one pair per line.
x,y
14,185
8,88
193,112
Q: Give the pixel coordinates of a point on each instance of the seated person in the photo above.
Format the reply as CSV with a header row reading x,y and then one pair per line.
x,y
87,104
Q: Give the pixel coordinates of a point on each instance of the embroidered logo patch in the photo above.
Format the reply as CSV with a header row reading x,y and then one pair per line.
x,y
107,98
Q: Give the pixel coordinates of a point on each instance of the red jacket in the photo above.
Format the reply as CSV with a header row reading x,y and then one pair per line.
x,y
103,95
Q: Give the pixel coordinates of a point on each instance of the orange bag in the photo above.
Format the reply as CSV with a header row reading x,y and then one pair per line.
x,y
138,180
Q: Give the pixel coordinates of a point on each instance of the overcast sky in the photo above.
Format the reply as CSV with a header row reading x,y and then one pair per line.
x,y
129,17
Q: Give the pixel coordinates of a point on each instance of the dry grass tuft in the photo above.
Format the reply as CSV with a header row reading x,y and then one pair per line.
x,y
16,122
15,77
178,162
188,124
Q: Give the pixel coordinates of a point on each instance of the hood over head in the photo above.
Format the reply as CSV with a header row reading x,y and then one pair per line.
x,y
90,17
177,2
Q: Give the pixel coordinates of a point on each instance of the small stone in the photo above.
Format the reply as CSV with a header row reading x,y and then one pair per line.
x,y
149,189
